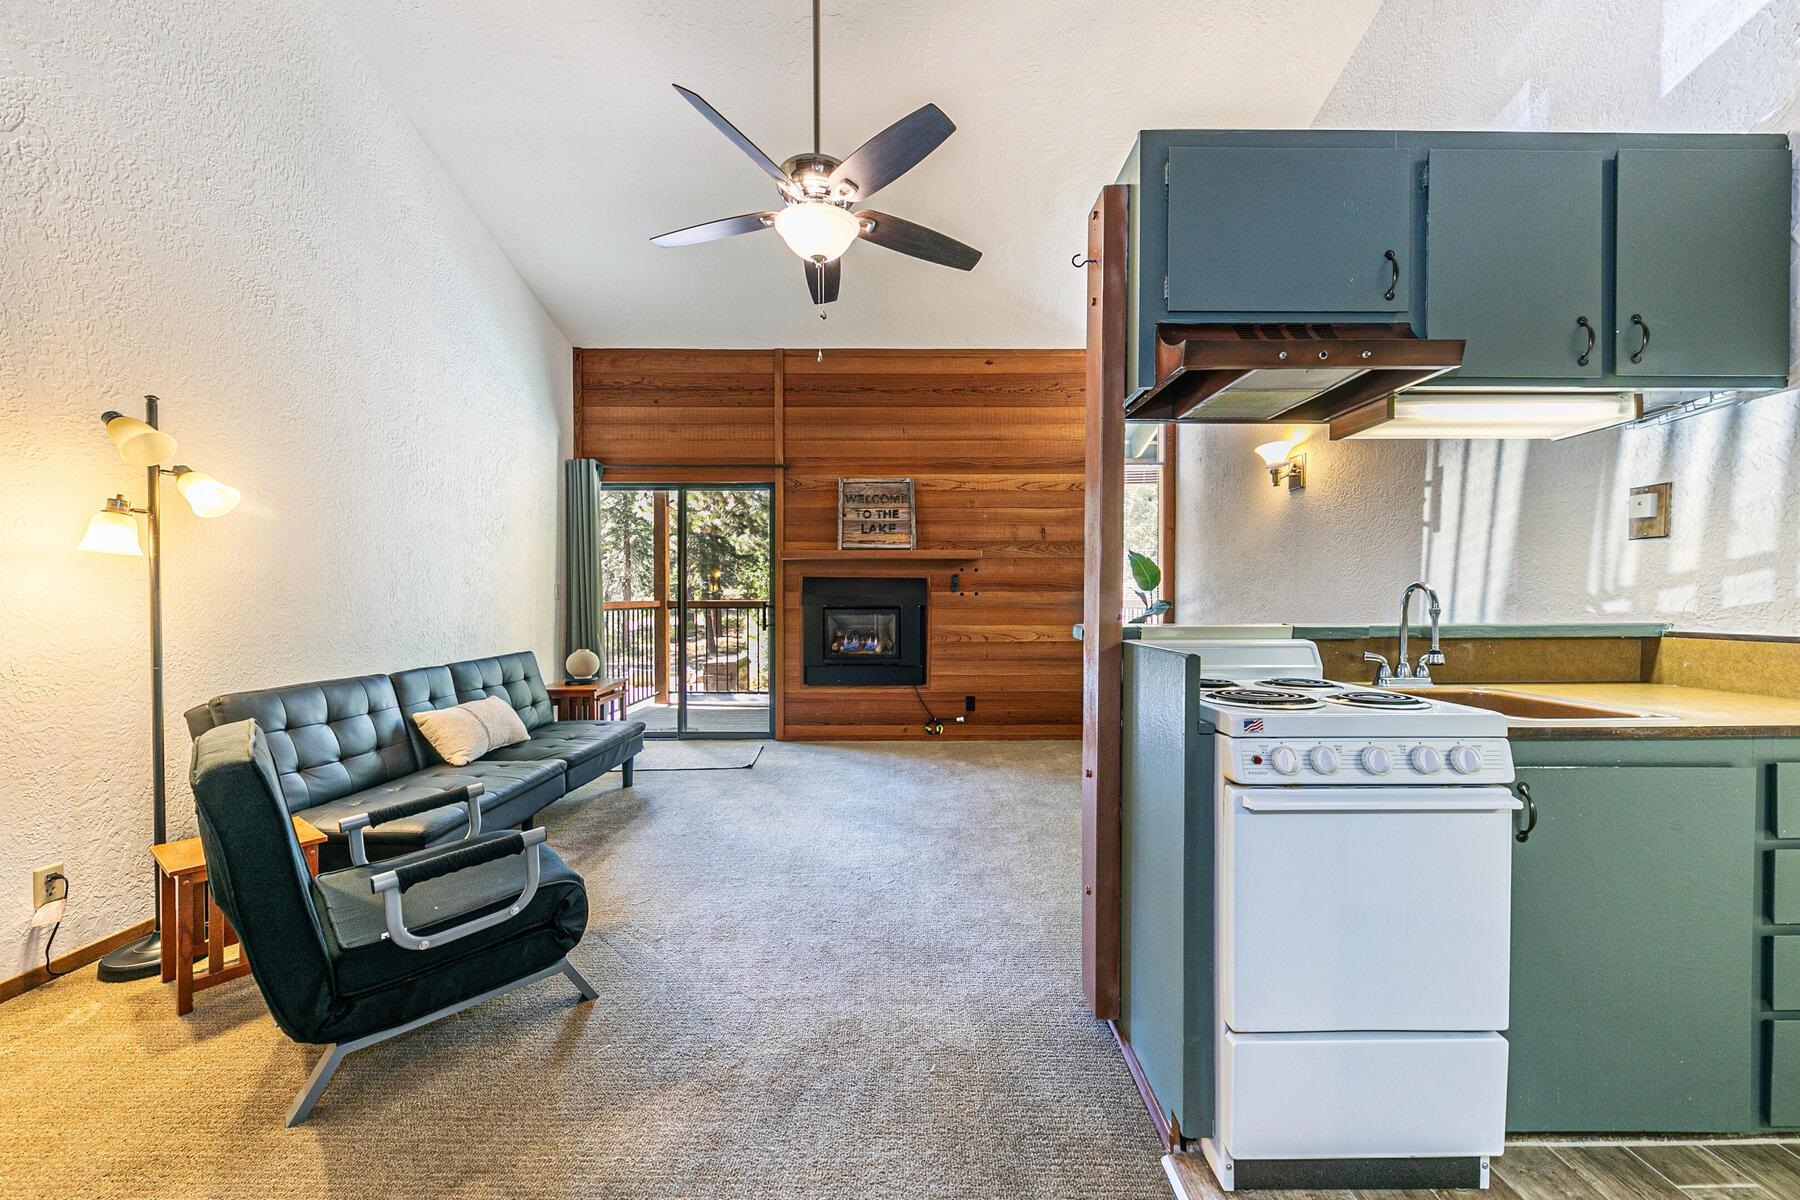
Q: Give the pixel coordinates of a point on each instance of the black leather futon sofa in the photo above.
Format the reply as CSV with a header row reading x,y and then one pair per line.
x,y
344,746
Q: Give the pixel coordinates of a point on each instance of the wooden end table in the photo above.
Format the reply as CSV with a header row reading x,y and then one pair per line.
x,y
588,701
191,919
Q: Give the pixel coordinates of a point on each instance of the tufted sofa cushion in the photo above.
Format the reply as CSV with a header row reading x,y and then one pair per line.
x,y
328,740
512,677
587,749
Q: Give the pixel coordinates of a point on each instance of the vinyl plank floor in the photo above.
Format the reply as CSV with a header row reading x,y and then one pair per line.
x,y
1688,1166
1618,1174
1775,1168
1598,1171
1540,1173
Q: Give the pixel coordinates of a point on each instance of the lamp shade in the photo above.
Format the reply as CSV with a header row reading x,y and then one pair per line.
x,y
140,443
583,664
1274,454
817,230
204,494
112,530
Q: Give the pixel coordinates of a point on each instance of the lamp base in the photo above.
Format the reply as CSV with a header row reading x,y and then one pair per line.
x,y
134,960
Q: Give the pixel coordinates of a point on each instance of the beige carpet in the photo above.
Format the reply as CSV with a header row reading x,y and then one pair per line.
x,y
850,972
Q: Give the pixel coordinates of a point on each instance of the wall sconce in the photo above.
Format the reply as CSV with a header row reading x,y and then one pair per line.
x,y
1283,463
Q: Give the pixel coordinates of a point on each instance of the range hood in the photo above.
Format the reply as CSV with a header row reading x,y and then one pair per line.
x,y
1247,373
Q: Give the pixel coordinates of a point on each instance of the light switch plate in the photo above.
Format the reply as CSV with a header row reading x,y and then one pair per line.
x,y
1648,511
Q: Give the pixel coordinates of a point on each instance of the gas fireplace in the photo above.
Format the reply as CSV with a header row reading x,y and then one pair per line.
x,y
863,631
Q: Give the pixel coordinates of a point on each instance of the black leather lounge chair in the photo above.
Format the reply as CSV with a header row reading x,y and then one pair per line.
x,y
371,951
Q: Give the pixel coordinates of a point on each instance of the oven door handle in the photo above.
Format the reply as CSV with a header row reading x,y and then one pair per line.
x,y
1500,802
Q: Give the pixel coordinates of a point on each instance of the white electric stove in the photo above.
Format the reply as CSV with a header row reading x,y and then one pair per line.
x,y
1362,901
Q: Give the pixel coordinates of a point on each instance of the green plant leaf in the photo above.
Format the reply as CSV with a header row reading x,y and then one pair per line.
x,y
1151,613
1144,571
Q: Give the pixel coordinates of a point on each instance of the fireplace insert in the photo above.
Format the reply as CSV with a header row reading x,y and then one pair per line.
x,y
862,631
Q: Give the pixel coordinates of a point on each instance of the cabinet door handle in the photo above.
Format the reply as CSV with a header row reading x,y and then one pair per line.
x,y
1394,283
1637,355
1583,323
1524,790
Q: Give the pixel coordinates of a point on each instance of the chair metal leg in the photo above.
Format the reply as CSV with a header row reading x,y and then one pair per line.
x,y
309,1095
579,980
334,1057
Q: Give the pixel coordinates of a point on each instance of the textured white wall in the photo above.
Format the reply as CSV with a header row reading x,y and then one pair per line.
x,y
220,204
1527,531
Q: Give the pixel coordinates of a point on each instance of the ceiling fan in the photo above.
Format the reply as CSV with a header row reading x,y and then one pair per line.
x,y
820,216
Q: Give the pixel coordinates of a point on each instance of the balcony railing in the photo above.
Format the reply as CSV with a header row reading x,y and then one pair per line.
x,y
727,641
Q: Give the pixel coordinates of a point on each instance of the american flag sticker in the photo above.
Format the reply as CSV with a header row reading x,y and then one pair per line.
x,y
1253,725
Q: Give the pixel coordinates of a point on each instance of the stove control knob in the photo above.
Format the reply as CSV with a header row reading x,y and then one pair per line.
x,y
1323,760
1375,761
1426,760
1464,760
1284,760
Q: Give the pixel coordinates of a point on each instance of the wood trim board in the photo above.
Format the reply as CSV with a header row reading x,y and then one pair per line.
x,y
1103,598
74,960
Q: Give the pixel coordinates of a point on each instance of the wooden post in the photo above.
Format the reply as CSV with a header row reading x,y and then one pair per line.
x,y
660,614
1102,599
1169,497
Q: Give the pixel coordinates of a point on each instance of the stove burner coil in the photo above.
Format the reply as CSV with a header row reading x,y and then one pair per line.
x,y
1246,697
1373,699
1300,682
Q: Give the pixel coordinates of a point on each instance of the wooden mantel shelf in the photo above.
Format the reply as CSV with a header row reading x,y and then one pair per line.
x,y
932,555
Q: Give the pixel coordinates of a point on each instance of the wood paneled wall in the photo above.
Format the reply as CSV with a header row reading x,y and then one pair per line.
x,y
994,443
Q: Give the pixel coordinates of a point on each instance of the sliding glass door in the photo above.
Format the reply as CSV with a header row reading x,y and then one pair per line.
x,y
690,619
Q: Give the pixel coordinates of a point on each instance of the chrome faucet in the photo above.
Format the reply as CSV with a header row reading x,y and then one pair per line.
x,y
1403,673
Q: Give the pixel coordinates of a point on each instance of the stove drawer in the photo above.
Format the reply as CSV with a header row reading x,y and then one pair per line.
x,y
1364,908
1362,1095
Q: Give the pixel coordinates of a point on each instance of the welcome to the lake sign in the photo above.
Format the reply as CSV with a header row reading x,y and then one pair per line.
x,y
875,514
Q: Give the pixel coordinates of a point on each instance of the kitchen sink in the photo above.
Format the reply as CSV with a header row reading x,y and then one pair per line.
x,y
1530,707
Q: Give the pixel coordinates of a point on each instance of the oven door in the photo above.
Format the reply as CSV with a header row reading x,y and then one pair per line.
x,y
1364,908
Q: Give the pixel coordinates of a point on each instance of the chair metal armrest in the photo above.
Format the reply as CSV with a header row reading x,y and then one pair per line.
x,y
390,885
355,827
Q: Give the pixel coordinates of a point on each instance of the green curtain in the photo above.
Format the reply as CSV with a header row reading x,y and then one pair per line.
x,y
582,588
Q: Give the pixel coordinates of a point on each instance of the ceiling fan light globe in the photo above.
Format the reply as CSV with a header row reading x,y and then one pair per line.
x,y
817,230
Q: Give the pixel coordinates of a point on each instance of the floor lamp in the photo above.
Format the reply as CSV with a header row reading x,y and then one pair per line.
x,y
114,530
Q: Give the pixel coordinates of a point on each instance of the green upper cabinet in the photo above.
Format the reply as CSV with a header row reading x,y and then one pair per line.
x,y
1516,261
1288,230
1703,252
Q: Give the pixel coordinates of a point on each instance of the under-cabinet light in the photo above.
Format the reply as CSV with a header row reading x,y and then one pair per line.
x,y
1551,415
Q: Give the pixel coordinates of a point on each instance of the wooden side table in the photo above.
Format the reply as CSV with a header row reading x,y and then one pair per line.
x,y
588,701
191,918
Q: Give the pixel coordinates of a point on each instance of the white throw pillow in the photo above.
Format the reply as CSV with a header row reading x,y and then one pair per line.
x,y
458,735
504,728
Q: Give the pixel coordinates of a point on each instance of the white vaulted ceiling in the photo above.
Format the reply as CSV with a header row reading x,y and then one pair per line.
x,y
557,120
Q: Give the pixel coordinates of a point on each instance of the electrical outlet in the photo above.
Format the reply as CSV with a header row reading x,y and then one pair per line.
x,y
44,889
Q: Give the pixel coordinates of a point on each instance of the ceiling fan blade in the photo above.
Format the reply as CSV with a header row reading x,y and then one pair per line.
x,y
916,240
712,231
822,280
769,166
894,151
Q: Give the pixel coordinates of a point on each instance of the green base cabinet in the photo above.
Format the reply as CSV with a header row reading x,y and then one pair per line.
x,y
1633,961
1784,1074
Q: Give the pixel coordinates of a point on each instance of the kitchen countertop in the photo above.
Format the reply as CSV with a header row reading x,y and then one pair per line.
x,y
1698,712
1329,633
